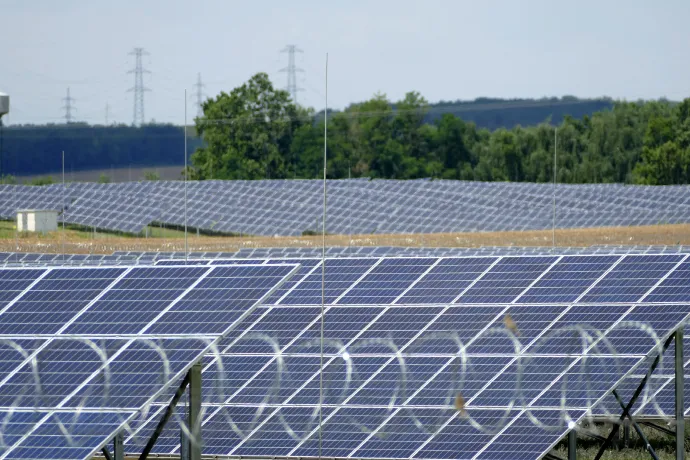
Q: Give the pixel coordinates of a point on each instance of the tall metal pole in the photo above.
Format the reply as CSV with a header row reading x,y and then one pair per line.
x,y
679,388
186,249
555,151
323,260
63,205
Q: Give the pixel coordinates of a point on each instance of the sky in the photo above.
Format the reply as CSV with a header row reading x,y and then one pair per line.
x,y
446,50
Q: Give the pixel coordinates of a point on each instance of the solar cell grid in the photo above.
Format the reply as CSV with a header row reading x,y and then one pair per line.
x,y
340,274
569,279
443,282
46,441
507,279
76,372
632,278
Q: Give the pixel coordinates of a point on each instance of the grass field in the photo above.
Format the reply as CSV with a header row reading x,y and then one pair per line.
x,y
664,446
161,239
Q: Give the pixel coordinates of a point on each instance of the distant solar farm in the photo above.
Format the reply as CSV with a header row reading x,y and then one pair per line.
x,y
357,206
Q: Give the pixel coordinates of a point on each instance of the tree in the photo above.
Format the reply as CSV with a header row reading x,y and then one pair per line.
x,y
8,180
103,179
151,175
247,133
47,180
449,146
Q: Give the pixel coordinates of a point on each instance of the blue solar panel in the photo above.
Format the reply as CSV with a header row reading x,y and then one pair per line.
x,y
586,381
675,288
507,279
13,282
48,440
458,438
341,324
306,266
104,371
524,323
388,280
641,328
568,279
525,439
341,274
632,278
446,280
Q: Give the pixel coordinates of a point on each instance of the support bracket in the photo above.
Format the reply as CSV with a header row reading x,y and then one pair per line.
x,y
106,453
164,419
628,407
659,428
191,448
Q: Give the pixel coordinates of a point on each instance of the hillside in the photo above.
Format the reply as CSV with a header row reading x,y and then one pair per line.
x,y
492,113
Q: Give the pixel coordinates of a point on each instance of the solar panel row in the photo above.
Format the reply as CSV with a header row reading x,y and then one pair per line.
x,y
261,254
290,207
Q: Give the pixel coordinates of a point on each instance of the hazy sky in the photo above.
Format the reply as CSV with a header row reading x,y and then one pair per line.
x,y
454,49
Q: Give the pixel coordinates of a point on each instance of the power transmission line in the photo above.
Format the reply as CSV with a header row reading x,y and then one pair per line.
x,y
107,113
292,70
68,107
139,89
199,95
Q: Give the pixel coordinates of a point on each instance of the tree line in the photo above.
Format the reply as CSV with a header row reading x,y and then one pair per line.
x,y
256,131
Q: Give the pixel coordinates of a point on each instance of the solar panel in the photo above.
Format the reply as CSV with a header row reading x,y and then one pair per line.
x,y
290,207
393,369
87,348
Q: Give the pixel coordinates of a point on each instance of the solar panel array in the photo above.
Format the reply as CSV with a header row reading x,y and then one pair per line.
x,y
147,258
392,367
52,259
380,309
82,348
291,207
382,251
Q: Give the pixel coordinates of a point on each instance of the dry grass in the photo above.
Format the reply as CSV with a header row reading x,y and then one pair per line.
x,y
663,445
80,242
